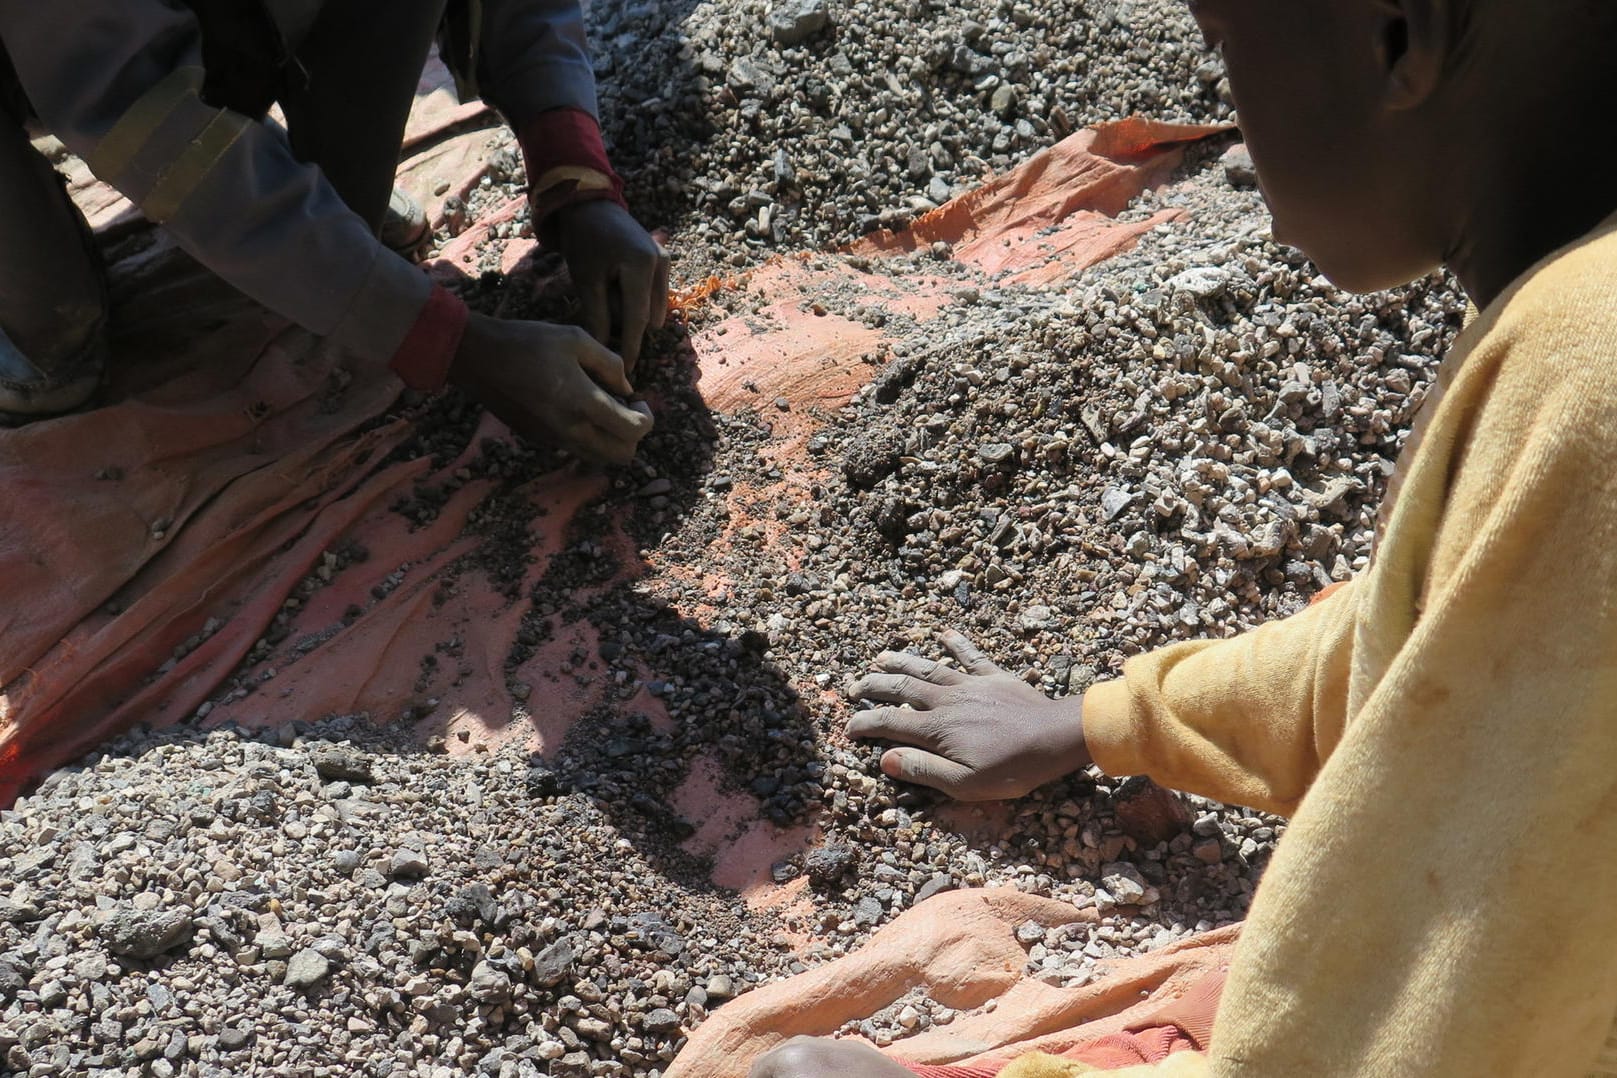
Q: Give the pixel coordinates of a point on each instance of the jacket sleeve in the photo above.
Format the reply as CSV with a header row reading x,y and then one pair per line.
x,y
534,66
119,82
1246,721
533,57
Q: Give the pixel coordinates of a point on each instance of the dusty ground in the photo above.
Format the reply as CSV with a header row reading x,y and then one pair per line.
x,y
1184,442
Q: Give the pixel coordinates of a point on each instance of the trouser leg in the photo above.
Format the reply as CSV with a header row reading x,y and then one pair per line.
x,y
350,93
53,292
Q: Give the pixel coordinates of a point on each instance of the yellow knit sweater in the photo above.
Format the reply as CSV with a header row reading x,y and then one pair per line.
x,y
1444,730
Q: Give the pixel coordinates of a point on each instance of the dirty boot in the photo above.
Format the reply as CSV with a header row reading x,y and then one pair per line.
x,y
404,226
53,289
29,392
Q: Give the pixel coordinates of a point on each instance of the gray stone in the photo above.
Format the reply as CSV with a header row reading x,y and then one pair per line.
x,y
1126,886
655,487
1036,618
828,862
489,984
1202,282
551,965
13,979
273,943
653,931
867,911
18,912
935,886
793,22
572,1064
333,947
1114,500
146,933
661,1020
408,865
1004,101
234,1037
340,762
747,76
996,452
306,969
33,861
474,903
1238,166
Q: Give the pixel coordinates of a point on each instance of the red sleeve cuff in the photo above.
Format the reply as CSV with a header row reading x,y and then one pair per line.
x,y
428,351
567,164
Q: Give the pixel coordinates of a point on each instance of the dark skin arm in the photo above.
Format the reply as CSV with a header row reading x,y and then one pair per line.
x,y
975,732
822,1057
621,274
545,382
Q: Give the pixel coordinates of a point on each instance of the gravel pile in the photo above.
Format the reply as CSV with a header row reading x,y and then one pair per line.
x,y
752,126
220,905
1185,442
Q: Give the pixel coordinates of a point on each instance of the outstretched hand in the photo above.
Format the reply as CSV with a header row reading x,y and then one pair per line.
x,y
621,274
821,1057
976,732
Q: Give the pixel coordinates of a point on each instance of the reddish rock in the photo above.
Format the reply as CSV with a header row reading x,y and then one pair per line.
x,y
1149,814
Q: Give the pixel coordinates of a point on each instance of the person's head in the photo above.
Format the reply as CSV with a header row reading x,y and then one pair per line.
x,y
1387,132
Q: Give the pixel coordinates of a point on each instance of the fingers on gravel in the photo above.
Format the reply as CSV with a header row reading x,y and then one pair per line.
x,y
896,689
922,768
918,666
967,654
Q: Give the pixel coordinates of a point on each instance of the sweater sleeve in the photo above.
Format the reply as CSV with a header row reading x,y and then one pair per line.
x,y
1247,721
119,82
1445,893
1442,901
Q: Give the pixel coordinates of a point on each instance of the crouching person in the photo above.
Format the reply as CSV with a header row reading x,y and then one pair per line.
x,y
1443,730
167,102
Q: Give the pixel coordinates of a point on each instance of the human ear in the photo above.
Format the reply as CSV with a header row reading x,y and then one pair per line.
x,y
1414,42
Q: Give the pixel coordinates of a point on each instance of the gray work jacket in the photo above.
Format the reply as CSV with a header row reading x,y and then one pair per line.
x,y
119,82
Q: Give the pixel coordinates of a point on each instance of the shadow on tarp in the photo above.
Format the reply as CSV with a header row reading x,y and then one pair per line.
x,y
261,533
253,529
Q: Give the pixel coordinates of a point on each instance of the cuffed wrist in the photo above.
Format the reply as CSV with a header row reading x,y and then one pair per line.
x,y
1107,728
422,362
567,164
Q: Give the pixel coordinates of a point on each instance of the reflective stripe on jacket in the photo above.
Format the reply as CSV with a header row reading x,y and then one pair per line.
x,y
121,83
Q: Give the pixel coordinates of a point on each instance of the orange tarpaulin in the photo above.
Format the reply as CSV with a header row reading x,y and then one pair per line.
x,y
220,540
961,949
1053,216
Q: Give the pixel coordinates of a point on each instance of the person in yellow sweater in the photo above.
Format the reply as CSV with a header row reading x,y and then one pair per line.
x,y
1442,731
